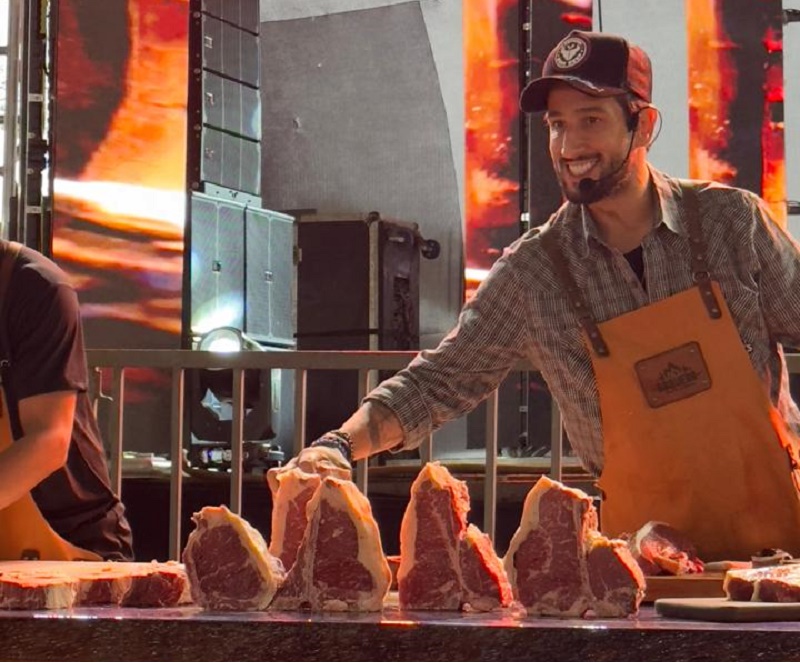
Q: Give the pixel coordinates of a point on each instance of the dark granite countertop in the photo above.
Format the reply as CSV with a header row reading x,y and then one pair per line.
x,y
191,634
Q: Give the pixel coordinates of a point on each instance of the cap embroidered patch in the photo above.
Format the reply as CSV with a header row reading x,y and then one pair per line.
x,y
572,52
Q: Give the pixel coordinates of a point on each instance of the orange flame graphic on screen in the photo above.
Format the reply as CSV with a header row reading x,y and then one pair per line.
x,y
491,112
119,226
712,87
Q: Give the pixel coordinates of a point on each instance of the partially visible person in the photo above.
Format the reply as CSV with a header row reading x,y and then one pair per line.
x,y
656,309
56,501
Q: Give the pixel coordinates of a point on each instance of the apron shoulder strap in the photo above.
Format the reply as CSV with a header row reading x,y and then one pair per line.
x,y
697,244
574,293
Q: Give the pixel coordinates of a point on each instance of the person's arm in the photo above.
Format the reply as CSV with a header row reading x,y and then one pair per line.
x,y
442,384
372,428
778,274
47,421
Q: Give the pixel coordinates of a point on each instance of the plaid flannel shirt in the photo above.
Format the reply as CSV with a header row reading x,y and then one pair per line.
x,y
520,311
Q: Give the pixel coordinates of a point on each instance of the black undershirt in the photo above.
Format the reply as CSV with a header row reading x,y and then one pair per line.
x,y
635,259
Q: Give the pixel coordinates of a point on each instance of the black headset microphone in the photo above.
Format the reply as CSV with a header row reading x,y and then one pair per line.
x,y
587,183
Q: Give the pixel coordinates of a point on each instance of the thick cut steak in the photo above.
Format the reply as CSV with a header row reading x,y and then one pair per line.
x,y
46,592
228,564
661,549
291,492
130,584
445,565
340,565
776,584
560,565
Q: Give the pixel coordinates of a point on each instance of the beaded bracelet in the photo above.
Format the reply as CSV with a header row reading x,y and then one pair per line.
x,y
336,439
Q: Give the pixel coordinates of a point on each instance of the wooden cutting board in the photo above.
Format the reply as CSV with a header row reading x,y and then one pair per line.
x,y
692,585
722,610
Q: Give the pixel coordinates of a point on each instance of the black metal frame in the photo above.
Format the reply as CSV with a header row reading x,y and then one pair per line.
x,y
30,220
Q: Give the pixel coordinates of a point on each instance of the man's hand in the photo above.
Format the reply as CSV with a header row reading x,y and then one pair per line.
x,y
325,461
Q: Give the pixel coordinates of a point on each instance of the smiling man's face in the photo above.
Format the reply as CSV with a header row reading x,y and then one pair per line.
x,y
589,139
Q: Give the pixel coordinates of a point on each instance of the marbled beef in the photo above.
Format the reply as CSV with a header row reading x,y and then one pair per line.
x,y
445,565
775,584
560,565
661,549
228,564
37,593
46,584
291,492
340,565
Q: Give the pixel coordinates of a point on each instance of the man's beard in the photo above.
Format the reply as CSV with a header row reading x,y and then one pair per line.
x,y
601,188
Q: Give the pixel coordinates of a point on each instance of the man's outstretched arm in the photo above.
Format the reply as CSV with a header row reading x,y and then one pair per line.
x,y
372,428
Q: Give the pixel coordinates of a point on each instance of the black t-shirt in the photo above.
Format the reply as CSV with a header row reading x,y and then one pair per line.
x,y
43,343
636,260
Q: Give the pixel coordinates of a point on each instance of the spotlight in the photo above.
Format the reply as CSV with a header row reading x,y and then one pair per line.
x,y
210,393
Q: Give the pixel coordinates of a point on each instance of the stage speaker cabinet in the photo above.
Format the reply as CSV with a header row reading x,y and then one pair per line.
x,y
358,289
230,51
230,161
217,263
231,107
241,13
224,107
242,270
270,277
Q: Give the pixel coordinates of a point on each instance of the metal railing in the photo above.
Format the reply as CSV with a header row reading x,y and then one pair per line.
x,y
366,363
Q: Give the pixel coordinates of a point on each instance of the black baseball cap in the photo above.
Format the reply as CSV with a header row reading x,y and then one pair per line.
x,y
596,63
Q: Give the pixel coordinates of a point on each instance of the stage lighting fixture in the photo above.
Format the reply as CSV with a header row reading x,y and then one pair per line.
x,y
210,393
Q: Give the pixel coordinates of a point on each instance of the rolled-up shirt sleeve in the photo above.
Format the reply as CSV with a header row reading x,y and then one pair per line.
x,y
443,384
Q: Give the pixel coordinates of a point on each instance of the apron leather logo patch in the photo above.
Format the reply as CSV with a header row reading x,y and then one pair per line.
x,y
673,375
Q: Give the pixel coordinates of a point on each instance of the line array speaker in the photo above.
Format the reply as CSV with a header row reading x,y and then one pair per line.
x,y
242,13
230,161
224,105
231,106
230,51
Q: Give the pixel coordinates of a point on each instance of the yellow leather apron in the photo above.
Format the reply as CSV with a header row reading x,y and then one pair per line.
x,y
690,436
24,532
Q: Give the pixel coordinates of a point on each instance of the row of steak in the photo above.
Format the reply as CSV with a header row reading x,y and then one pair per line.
x,y
42,585
558,563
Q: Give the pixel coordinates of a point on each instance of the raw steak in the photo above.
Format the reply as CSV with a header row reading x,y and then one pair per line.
x,y
661,549
560,565
340,564
445,565
37,593
132,584
616,582
778,584
228,564
163,585
291,492
485,585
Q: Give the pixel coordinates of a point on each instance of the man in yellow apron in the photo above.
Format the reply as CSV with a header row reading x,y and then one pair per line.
x,y
656,310
55,497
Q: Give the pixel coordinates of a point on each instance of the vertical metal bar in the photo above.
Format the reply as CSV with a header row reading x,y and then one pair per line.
x,y
95,388
116,424
362,466
300,395
490,472
176,470
10,119
556,443
237,439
